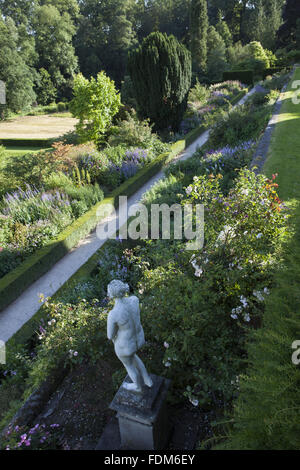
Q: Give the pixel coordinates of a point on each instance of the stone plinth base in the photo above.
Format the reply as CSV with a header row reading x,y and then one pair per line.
x,y
142,417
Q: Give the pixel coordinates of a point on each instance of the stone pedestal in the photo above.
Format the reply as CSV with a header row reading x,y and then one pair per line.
x,y
142,417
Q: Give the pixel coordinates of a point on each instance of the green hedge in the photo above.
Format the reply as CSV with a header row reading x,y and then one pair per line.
x,y
239,96
244,76
271,71
39,143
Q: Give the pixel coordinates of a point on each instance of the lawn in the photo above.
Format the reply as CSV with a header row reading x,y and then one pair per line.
x,y
32,127
268,411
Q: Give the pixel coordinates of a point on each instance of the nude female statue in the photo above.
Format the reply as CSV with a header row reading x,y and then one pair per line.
x,y
125,330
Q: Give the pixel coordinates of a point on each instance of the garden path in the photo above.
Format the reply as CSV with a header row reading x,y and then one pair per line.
x,y
24,307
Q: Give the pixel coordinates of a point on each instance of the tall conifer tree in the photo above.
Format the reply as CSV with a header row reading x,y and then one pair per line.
x,y
198,34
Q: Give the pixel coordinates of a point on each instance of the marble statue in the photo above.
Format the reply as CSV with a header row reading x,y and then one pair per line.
x,y
125,330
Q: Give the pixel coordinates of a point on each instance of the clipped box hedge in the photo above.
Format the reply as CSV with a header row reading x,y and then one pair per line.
x,y
244,76
270,71
39,143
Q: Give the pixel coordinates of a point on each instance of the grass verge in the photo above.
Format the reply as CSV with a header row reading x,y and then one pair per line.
x,y
267,412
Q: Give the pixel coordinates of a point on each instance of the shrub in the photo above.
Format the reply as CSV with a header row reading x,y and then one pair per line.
x,y
62,106
240,125
198,95
134,133
276,82
161,73
95,103
73,332
200,307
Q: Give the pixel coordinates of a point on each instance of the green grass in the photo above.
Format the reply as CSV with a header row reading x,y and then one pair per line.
x,y
267,413
15,151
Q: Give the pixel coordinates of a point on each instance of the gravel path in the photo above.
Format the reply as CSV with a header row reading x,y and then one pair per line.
x,y
22,309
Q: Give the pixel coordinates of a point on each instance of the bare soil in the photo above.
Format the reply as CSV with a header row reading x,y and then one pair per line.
x,y
81,405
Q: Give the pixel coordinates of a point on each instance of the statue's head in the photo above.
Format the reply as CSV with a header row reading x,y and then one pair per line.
x,y
117,289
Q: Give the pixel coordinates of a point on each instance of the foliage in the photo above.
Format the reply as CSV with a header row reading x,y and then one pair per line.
x,y
287,33
17,75
95,103
127,92
198,95
30,218
54,30
39,437
219,304
266,414
161,73
46,91
216,56
131,132
239,125
73,332
111,27
198,34
224,31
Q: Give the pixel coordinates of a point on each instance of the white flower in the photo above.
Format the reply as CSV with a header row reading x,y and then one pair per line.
x,y
243,301
166,345
245,233
259,235
189,190
258,295
198,272
245,192
266,291
227,232
75,353
194,402
234,316
167,364
196,178
194,264
247,317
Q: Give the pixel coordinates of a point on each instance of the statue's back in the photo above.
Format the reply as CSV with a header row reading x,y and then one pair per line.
x,y
134,308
